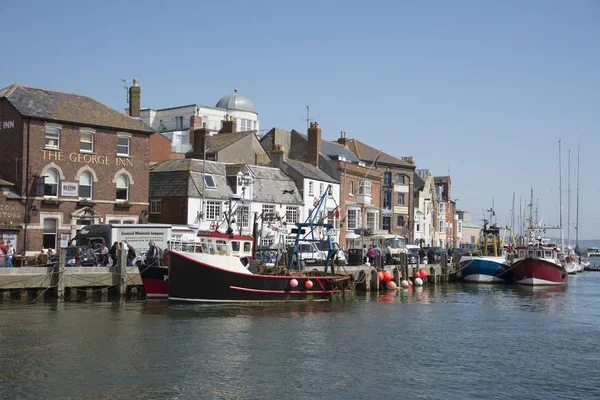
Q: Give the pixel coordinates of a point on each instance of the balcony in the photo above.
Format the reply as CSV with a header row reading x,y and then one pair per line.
x,y
363,199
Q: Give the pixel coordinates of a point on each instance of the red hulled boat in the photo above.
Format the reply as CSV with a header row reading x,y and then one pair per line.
x,y
539,264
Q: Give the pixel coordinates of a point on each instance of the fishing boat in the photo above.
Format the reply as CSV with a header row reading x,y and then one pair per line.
x,y
539,263
490,260
218,273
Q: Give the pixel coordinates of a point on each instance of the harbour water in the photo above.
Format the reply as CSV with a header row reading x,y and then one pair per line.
x,y
449,341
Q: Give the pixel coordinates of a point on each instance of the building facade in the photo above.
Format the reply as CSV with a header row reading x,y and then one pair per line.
x,y
73,161
426,209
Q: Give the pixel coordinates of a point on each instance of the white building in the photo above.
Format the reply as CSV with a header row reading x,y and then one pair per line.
x,y
425,208
174,122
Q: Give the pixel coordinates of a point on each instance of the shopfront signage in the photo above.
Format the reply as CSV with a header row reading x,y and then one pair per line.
x,y
7,124
69,189
11,212
82,158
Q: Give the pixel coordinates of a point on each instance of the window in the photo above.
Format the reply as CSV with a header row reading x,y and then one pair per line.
x,y
123,145
51,183
53,137
243,216
178,122
311,191
155,206
364,188
387,199
387,222
122,187
351,188
442,226
352,219
49,240
372,220
418,227
400,221
86,142
291,214
442,208
330,191
400,199
246,125
209,182
213,210
321,188
387,179
401,179
85,185
268,211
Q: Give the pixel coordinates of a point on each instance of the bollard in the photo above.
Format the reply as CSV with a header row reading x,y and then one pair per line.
x,y
374,281
58,280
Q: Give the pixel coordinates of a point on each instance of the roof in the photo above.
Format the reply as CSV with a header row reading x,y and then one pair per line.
x,y
368,153
219,141
265,191
308,170
236,101
183,178
331,149
53,105
441,179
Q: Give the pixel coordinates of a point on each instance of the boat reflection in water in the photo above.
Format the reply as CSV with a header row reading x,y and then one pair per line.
x,y
546,299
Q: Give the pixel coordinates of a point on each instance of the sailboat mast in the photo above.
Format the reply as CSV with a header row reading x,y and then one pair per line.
x,y
562,244
569,201
577,209
512,214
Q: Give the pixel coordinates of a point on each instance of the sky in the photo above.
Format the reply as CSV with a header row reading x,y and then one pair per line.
x,y
481,90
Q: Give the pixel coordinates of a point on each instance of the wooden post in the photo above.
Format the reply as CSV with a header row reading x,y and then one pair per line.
x,y
119,273
58,280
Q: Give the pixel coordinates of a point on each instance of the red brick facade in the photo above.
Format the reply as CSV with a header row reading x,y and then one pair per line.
x,y
24,153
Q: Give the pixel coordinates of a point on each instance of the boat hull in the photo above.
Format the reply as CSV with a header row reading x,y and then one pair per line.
x,y
198,278
485,270
155,280
539,272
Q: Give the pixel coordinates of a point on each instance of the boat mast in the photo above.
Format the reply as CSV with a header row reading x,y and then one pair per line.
x,y
569,202
577,212
562,243
512,214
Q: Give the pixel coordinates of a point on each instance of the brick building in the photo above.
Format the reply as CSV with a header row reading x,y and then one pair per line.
x,y
72,161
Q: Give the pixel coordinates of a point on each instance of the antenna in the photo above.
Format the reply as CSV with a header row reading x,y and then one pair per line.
x,y
307,119
126,90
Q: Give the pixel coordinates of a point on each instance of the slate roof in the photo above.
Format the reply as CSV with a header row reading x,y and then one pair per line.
x,y
330,149
368,153
53,105
183,178
267,192
308,170
219,141
418,182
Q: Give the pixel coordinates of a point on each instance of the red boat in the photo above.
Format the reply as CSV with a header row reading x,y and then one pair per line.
x,y
539,265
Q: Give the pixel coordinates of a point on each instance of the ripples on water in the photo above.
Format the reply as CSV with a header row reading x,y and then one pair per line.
x,y
456,341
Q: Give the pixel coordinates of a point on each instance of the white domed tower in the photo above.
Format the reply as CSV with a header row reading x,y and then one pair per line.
x,y
241,109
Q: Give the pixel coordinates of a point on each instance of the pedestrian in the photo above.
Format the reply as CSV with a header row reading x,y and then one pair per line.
x,y
422,255
104,255
124,245
430,256
50,254
40,257
378,257
9,254
371,255
3,249
113,252
364,254
152,255
130,255
388,255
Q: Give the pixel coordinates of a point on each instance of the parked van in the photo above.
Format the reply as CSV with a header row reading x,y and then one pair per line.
x,y
324,248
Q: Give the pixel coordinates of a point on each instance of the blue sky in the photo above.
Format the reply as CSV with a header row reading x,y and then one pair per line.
x,y
483,89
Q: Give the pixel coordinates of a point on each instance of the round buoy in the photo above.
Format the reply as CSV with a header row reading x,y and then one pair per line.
x,y
293,283
387,276
379,276
308,284
423,274
404,284
410,283
391,285
418,282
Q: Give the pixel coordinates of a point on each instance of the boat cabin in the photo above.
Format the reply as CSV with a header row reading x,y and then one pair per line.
x,y
547,252
224,244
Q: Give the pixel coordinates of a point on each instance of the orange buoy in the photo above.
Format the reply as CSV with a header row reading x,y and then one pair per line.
x,y
387,276
379,276
308,284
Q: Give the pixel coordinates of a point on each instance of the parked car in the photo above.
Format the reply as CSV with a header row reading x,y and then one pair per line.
x,y
77,256
413,255
324,248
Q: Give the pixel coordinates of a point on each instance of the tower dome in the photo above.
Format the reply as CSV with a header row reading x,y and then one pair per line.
x,y
236,101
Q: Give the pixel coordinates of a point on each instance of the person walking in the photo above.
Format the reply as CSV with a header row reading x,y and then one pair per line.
x,y
152,255
9,254
388,255
104,255
113,252
364,254
371,255
130,255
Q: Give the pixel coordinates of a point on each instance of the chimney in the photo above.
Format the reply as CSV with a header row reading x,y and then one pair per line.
x,y
228,125
343,140
195,123
199,142
134,99
278,156
314,143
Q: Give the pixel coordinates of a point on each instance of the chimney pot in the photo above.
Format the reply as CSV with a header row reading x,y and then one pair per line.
x,y
314,143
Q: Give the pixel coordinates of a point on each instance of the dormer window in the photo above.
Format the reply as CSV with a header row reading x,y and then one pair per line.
x,y
209,182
